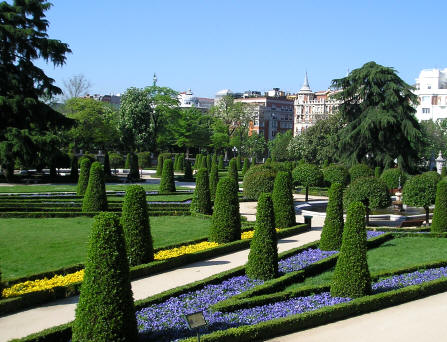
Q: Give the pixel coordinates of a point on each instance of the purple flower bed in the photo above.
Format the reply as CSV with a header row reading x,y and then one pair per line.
x,y
303,259
372,234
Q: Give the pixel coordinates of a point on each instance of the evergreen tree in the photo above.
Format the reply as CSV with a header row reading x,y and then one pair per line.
x,y
221,162
74,174
107,170
351,276
181,163
263,257
176,167
159,165
283,200
226,220
167,183
331,236
188,171
246,166
83,176
208,163
201,201
439,222
239,162
214,179
106,311
136,226
95,198
232,171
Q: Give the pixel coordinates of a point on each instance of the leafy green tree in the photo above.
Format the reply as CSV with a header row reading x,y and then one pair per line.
x,y
393,178
136,226
331,236
263,257
435,136
360,170
201,201
167,183
336,173
255,146
259,179
283,200
106,311
134,173
278,146
439,222
351,276
159,165
95,198
378,108
83,176
144,159
220,138
307,175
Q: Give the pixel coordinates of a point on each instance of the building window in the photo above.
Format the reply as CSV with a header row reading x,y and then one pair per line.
x,y
425,110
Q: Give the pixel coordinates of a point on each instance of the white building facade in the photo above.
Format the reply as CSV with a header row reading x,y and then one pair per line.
x,y
431,89
187,100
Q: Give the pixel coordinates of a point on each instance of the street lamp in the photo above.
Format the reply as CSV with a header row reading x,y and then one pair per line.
x,y
234,151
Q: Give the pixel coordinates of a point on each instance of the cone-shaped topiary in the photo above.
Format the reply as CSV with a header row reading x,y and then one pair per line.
x,y
105,311
214,160
246,166
176,162
221,162
201,201
83,176
95,198
74,174
188,171
239,162
214,179
232,171
351,276
107,170
136,226
226,221
208,162
159,165
167,183
134,174
283,200
332,233
263,257
439,223
198,161
181,162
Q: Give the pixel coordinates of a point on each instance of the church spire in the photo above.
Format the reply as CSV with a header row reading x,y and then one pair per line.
x,y
305,87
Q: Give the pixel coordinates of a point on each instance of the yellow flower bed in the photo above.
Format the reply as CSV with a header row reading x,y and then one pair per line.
x,y
249,234
175,252
42,284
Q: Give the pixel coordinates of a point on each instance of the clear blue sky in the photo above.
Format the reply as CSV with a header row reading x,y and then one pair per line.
x,y
242,45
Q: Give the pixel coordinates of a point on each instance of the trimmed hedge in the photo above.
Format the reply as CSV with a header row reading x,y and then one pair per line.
x,y
159,165
136,226
283,200
307,175
263,257
221,162
246,166
259,179
351,276
167,183
331,236
239,162
214,179
439,221
360,170
83,176
336,173
201,201
377,171
391,178
95,198
233,171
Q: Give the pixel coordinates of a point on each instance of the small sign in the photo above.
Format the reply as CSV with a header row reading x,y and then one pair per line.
x,y
195,320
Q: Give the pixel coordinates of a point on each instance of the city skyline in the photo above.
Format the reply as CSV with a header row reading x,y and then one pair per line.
x,y
209,46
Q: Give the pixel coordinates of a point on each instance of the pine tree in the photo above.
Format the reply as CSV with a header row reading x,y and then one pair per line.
x,y
331,236
167,183
83,176
95,198
201,201
439,222
283,200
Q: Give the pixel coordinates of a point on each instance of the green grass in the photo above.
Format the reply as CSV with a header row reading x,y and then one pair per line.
x,y
394,254
158,198
30,246
314,191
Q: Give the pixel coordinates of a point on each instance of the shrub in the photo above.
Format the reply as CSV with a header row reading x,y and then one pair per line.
x,y
283,200
263,257
336,173
1,284
372,192
74,174
198,161
167,183
377,171
221,162
443,172
83,176
239,162
226,220
159,165
107,170
214,179
351,276
181,163
258,179
144,159
136,226
268,161
232,171
134,173
307,175
360,170
188,171
246,166
95,198
208,162
106,311
201,201
331,236
392,177
439,222
214,160
176,162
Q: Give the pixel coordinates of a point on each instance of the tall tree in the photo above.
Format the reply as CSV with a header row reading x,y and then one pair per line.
x,y
378,108
278,146
76,86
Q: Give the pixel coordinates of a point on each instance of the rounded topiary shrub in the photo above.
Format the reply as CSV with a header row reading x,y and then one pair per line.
x,y
360,170
159,165
307,175
232,171
83,176
258,179
201,201
95,198
214,179
221,162
283,200
351,276
188,171
263,257
167,183
136,226
226,220
105,311
392,177
439,222
332,233
336,173
268,161
74,174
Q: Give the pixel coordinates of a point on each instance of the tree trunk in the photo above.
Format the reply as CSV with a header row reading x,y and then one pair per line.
x,y
307,193
367,215
427,216
226,155
187,152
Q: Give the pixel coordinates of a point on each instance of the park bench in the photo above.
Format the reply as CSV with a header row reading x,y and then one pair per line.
x,y
411,223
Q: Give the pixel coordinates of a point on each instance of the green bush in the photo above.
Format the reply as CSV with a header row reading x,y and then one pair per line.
x,y
258,179
263,257
391,177
351,276
167,183
268,161
221,162
214,160
176,162
331,236
443,172
226,220
377,172
201,201
136,226
74,174
283,200
1,284
144,159
188,171
307,175
134,173
198,161
208,163
83,176
336,173
214,179
246,166
107,170
439,222
360,170
232,171
181,163
106,311
95,198
239,162
159,165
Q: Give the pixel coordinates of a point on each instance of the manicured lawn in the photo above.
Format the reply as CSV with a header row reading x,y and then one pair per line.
x,y
394,254
29,246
